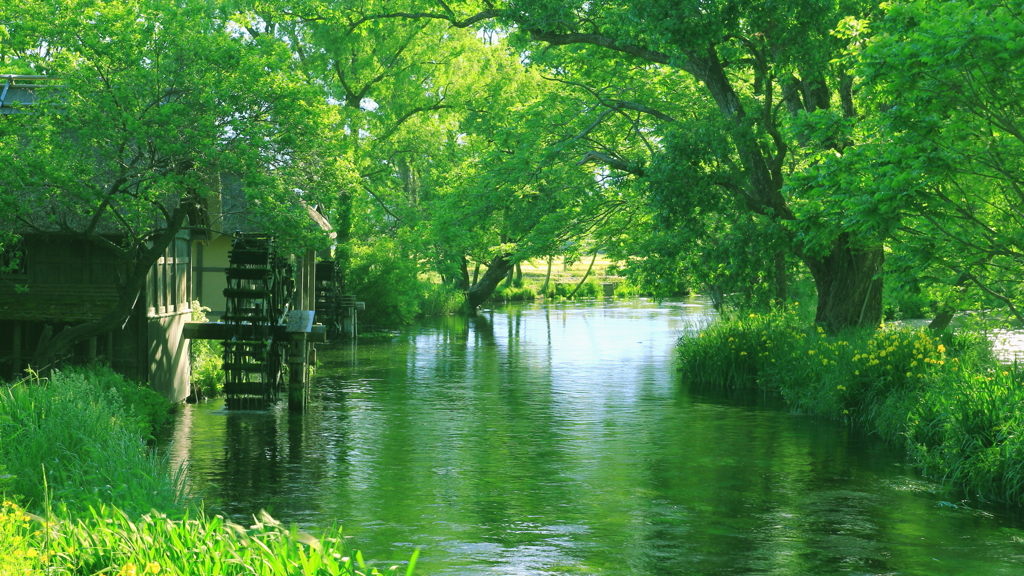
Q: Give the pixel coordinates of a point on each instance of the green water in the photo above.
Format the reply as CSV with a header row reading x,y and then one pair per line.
x,y
558,440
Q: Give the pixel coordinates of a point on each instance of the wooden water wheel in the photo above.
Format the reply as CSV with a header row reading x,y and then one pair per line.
x,y
329,296
260,287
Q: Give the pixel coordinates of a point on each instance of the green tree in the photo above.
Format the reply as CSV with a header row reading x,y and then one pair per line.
x,y
157,99
945,165
756,79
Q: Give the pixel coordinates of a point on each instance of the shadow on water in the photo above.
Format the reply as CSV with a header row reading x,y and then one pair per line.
x,y
558,440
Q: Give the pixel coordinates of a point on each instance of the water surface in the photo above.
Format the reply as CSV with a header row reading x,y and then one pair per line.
x,y
558,440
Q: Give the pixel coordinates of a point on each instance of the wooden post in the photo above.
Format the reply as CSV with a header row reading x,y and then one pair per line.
x,y
92,349
16,352
297,390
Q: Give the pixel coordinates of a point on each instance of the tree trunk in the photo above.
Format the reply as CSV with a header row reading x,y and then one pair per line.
x,y
849,286
586,275
128,294
497,269
463,274
547,278
948,309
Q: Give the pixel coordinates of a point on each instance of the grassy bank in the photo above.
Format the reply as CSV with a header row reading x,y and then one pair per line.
x,y
82,493
955,408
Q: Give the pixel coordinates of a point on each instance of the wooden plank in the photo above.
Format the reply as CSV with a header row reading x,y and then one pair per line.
x,y
220,331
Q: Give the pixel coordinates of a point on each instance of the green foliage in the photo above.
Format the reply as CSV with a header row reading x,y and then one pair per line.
x,y
513,294
440,299
945,158
945,398
383,275
205,358
86,428
106,540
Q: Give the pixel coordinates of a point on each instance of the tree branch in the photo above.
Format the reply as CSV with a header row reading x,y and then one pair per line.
x,y
613,163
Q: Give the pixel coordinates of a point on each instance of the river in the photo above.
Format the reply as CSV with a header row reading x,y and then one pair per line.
x,y
557,439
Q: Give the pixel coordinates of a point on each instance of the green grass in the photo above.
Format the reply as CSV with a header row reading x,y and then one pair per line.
x,y
110,542
83,494
958,412
87,429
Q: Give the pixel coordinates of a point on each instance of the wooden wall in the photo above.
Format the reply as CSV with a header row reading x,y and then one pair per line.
x,y
69,281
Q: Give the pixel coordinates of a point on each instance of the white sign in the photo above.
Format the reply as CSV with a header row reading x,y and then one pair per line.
x,y
300,321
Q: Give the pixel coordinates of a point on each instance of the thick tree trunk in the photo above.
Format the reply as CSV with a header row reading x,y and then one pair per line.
x,y
849,286
497,269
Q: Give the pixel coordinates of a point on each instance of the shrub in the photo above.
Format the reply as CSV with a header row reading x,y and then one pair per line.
x,y
957,410
206,359
385,277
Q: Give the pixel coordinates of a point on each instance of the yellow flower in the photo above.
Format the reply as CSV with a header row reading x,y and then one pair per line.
x,y
941,349
153,567
840,387
743,353
128,569
810,352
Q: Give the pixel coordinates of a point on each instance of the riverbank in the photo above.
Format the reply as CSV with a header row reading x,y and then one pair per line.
x,y
84,494
954,407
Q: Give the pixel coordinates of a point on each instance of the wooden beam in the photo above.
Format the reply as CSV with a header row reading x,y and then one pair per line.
x,y
220,331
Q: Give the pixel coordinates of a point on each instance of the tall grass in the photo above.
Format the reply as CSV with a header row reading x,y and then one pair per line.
x,y
958,412
108,541
73,451
439,299
86,429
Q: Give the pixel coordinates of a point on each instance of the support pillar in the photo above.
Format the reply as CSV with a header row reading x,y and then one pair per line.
x,y
298,392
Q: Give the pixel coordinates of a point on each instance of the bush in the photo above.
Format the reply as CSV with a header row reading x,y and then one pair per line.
x,y
957,410
206,358
384,276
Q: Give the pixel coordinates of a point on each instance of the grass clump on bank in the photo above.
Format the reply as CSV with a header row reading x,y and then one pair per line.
x,y
107,505
86,428
107,541
955,408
